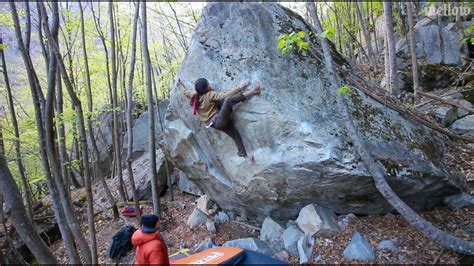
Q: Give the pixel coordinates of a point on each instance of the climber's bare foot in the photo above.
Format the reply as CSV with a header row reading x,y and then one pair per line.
x,y
249,159
257,88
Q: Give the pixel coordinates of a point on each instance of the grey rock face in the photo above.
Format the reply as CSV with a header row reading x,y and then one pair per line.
x,y
103,133
140,130
271,230
188,186
302,151
359,249
196,218
314,219
291,235
459,201
464,126
251,244
435,45
141,174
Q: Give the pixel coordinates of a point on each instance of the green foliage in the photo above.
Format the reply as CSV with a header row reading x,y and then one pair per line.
x,y
3,46
343,90
468,31
288,42
328,34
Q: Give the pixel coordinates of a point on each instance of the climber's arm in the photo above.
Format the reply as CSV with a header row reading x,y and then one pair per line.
x,y
189,94
217,96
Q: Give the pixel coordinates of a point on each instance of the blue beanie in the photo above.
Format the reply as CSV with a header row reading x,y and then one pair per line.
x,y
148,222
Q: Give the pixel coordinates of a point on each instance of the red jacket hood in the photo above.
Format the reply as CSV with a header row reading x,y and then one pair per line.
x,y
139,238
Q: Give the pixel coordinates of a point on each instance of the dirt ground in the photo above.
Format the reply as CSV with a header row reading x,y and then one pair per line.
x,y
412,245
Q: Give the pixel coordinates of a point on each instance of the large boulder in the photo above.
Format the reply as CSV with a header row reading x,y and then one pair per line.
x,y
436,45
102,130
140,130
303,153
142,177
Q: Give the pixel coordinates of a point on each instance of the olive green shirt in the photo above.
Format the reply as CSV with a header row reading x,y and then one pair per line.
x,y
208,101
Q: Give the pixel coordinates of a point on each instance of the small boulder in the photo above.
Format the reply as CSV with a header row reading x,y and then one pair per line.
x,y
211,226
196,218
459,201
231,215
464,126
291,235
282,255
253,244
461,111
359,249
222,216
388,245
345,220
445,115
188,186
271,230
314,219
206,244
305,248
204,204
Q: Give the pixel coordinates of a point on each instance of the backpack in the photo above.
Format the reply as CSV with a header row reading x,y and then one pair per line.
x,y
121,242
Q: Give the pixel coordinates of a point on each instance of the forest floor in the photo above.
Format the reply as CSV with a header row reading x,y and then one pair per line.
x,y
413,247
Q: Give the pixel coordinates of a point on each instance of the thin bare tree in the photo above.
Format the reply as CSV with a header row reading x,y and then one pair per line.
x,y
116,132
90,127
55,52
13,201
414,60
38,103
19,160
365,31
151,112
390,46
129,109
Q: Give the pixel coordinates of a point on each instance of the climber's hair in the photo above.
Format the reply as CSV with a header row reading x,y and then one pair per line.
x,y
200,85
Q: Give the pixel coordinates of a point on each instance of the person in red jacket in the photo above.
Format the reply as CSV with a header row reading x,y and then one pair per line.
x,y
151,249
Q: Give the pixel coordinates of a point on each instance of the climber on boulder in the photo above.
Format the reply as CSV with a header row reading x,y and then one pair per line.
x,y
215,108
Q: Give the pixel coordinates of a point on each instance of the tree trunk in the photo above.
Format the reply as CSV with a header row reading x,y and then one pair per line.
x,y
368,39
37,103
168,177
115,123
151,112
129,110
89,254
390,46
376,169
414,60
23,225
19,161
89,120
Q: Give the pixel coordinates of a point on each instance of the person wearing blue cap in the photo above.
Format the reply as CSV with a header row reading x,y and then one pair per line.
x,y
151,249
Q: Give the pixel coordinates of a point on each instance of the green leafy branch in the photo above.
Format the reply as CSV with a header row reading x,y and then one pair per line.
x,y
288,42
